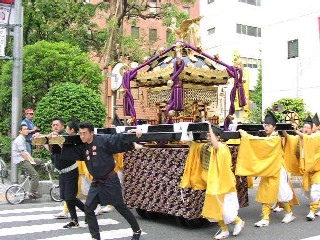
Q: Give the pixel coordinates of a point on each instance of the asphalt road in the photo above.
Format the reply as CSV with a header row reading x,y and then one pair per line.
x,y
33,220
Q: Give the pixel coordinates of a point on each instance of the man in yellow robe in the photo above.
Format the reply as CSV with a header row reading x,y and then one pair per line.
x,y
316,130
266,154
221,202
310,154
316,124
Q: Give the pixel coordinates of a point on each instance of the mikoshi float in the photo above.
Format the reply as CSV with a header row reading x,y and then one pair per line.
x,y
182,81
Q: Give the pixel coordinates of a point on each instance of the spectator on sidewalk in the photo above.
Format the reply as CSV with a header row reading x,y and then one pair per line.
x,y
25,161
31,128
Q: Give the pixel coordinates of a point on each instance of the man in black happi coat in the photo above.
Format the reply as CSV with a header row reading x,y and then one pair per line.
x,y
97,152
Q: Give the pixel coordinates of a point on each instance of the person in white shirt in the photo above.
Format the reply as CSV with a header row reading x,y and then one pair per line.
x,y
25,161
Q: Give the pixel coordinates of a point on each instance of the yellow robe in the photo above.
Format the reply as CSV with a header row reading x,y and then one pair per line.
x,y
193,169
259,156
262,157
311,146
119,161
220,181
292,163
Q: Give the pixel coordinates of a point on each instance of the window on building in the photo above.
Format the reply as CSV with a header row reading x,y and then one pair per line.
x,y
239,28
248,30
252,2
293,48
252,31
153,7
244,29
210,1
135,32
250,62
153,35
211,31
186,10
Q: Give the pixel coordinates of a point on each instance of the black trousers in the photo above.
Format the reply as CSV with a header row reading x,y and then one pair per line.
x,y
92,219
72,204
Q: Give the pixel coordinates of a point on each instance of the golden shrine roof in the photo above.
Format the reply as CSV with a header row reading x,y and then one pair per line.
x,y
198,70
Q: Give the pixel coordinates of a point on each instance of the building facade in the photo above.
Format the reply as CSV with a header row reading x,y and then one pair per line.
x,y
291,52
234,28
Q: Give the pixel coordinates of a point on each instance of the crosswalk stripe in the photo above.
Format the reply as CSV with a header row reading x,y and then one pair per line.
x,y
28,210
47,227
111,234
28,215
31,217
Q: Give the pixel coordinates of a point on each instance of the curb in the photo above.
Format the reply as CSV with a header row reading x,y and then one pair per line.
x,y
44,190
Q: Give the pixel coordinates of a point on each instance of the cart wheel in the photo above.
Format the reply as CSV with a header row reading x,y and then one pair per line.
x,y
195,223
152,215
15,194
180,221
293,118
55,193
141,212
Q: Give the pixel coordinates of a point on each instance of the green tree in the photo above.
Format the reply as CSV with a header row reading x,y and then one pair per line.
x,y
256,97
293,104
133,11
67,21
69,99
71,21
46,65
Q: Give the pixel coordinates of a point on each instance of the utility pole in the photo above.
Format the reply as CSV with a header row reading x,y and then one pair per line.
x,y
16,80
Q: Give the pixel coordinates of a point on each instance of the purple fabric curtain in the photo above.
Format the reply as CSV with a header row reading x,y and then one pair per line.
x,y
176,96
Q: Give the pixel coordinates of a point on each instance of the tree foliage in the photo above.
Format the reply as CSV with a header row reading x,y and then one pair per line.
x,y
67,100
71,21
46,65
67,21
256,96
293,104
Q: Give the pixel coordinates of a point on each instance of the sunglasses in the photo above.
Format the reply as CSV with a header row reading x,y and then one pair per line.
x,y
30,113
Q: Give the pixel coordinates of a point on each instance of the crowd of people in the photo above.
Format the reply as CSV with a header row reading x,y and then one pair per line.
x,y
282,156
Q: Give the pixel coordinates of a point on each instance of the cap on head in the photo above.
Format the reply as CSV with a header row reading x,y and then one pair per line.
x,y
29,110
270,118
308,121
315,120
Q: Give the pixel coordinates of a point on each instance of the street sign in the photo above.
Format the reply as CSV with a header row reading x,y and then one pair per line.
x,y
3,41
7,14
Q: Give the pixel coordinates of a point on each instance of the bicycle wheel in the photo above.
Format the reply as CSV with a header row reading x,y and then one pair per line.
x,y
3,169
55,193
15,194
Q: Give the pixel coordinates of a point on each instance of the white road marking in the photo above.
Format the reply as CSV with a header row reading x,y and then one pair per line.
x,y
28,210
35,217
111,234
47,227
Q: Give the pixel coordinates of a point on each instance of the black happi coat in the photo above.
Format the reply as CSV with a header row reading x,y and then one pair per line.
x,y
68,182
99,160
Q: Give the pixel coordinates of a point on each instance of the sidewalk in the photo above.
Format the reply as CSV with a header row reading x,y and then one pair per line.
x,y
44,188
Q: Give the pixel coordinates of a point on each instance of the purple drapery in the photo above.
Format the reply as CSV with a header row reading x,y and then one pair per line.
x,y
176,96
234,72
128,101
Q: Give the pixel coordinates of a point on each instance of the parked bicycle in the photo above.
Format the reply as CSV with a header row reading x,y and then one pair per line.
x,y
3,167
17,193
